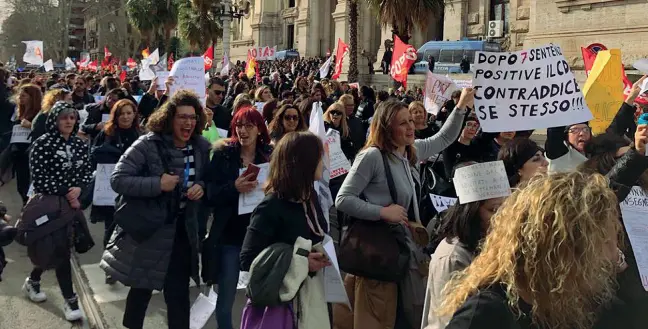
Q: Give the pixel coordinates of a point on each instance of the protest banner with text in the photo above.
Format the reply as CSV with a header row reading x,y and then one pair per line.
x,y
603,89
528,89
438,89
189,73
263,53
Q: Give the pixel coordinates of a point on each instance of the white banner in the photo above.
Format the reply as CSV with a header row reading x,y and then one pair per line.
x,y
248,201
49,65
189,73
161,79
528,89
263,53
438,89
20,134
442,203
69,64
340,165
634,210
481,181
103,193
146,73
33,52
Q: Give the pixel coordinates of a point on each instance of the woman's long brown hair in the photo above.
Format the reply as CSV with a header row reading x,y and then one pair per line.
x,y
116,112
380,131
35,102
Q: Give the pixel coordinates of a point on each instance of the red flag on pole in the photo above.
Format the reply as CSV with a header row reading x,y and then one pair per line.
x,y
208,56
131,63
342,50
403,57
106,52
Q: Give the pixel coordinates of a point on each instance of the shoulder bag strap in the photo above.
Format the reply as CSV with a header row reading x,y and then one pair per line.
x,y
390,178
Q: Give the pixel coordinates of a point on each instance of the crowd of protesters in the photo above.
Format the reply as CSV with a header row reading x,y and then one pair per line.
x,y
553,254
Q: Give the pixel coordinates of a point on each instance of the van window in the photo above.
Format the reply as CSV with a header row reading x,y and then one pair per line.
x,y
433,52
445,57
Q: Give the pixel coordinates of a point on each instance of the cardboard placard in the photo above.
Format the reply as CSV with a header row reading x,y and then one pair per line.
x,y
103,193
528,89
481,181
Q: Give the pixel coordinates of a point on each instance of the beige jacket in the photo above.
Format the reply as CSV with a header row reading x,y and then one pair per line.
x,y
446,260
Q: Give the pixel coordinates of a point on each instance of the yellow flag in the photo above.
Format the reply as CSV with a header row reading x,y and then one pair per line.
x,y
250,70
603,90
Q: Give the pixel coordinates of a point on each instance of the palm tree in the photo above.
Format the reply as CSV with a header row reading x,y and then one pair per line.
x,y
405,15
155,19
353,41
199,22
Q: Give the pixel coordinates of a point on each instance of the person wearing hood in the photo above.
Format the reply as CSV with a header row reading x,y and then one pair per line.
x,y
59,166
565,145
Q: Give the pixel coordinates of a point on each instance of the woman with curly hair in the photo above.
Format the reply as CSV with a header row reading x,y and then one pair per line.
x,y
159,251
548,261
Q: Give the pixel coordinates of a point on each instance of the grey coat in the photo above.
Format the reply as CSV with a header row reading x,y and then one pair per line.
x,y
137,174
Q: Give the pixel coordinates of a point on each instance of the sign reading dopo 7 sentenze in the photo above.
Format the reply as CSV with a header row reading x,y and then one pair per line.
x,y
527,89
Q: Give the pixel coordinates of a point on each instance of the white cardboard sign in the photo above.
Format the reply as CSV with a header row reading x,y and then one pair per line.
x,y
103,193
528,89
161,79
248,201
20,134
634,210
442,203
189,73
438,89
340,165
481,181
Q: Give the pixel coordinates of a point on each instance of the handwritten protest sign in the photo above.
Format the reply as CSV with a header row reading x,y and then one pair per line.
x,y
263,53
461,84
103,193
634,210
189,73
481,181
442,203
603,91
333,282
340,165
438,89
527,89
161,79
20,134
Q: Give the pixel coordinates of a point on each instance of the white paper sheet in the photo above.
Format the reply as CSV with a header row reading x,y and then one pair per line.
x,y
222,133
248,201
20,135
333,282
202,309
105,118
442,203
340,165
103,193
634,210
243,281
481,181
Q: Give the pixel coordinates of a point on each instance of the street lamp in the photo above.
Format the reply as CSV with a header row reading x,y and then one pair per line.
x,y
227,11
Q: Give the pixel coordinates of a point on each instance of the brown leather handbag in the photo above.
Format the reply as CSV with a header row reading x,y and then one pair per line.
x,y
375,249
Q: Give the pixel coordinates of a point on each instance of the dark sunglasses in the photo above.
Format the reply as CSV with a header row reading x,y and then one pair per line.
x,y
291,117
336,113
218,92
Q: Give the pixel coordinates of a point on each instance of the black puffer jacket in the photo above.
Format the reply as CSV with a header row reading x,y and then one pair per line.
x,y
137,175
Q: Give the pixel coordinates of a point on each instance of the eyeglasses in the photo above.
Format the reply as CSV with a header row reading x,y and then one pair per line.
x,y
336,113
218,92
246,126
576,130
472,125
187,117
291,117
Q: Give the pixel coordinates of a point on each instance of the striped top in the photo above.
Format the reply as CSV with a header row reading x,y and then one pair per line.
x,y
189,173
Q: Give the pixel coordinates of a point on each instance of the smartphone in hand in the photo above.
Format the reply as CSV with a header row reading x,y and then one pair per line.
x,y
252,172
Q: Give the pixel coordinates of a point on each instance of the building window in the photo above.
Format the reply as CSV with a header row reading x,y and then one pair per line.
x,y
291,3
499,11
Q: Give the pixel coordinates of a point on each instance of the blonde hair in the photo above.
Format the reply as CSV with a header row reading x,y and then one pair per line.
x,y
417,104
346,98
380,130
241,100
343,122
259,93
546,243
52,97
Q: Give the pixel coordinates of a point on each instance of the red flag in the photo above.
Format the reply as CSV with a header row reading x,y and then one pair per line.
x,y
106,52
170,62
403,57
105,63
342,50
131,63
208,56
122,76
93,65
589,57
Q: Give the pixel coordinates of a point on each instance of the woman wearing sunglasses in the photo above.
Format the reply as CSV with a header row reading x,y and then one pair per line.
x,y
288,119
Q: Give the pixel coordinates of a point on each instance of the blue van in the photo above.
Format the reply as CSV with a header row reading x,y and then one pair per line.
x,y
448,54
286,54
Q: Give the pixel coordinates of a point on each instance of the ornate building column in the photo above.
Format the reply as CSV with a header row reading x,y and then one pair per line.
x,y
341,21
455,20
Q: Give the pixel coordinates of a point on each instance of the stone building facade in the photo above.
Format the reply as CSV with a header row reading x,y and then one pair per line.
x,y
313,26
